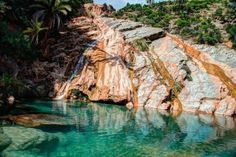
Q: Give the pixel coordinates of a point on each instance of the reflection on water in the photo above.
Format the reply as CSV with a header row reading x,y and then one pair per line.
x,y
109,130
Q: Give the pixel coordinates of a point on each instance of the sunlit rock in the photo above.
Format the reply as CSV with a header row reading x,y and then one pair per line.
x,y
161,72
11,100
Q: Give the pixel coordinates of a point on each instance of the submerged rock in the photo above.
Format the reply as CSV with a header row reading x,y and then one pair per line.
x,y
34,120
27,138
5,141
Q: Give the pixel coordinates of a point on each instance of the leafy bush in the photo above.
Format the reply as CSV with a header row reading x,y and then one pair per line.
x,y
182,23
3,7
7,79
207,33
196,5
219,12
15,44
10,85
231,29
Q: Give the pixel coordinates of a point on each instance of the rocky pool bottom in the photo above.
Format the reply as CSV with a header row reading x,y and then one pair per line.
x,y
60,129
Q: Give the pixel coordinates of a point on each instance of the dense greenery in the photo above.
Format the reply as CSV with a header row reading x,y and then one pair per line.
x,y
26,25
195,19
25,28
10,85
231,29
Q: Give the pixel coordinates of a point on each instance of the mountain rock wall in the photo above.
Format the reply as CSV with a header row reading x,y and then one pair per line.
x,y
143,66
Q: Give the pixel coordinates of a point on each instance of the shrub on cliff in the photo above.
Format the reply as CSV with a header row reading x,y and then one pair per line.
x,y
11,86
15,44
186,18
180,23
231,29
3,8
142,44
219,14
207,33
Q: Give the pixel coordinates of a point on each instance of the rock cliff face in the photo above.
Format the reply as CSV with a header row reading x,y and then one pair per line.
x,y
169,74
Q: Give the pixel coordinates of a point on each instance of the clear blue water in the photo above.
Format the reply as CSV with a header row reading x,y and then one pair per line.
x,y
104,130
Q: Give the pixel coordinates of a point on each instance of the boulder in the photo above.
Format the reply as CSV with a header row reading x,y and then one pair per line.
x,y
27,138
11,100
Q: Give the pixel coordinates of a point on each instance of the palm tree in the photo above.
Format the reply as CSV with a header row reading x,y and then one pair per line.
x,y
50,12
34,30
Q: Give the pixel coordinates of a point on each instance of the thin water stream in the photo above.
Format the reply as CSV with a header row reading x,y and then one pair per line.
x,y
78,67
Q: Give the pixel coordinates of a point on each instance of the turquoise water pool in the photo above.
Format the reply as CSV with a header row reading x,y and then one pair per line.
x,y
104,130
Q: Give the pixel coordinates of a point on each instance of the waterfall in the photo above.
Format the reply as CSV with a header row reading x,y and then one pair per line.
x,y
77,69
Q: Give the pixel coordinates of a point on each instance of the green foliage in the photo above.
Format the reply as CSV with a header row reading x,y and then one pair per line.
x,y
201,29
230,14
231,29
189,18
10,85
219,12
142,44
196,5
20,34
15,44
7,79
34,31
3,7
207,33
182,23
50,12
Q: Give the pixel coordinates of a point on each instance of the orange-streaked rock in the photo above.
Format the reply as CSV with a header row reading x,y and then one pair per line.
x,y
170,75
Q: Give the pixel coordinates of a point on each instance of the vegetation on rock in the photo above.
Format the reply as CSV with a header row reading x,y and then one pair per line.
x,y
26,27
203,21
231,29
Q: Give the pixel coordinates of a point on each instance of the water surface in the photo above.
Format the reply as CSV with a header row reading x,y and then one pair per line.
x,y
114,131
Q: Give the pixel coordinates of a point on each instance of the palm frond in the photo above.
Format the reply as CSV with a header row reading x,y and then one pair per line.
x,y
66,7
63,12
